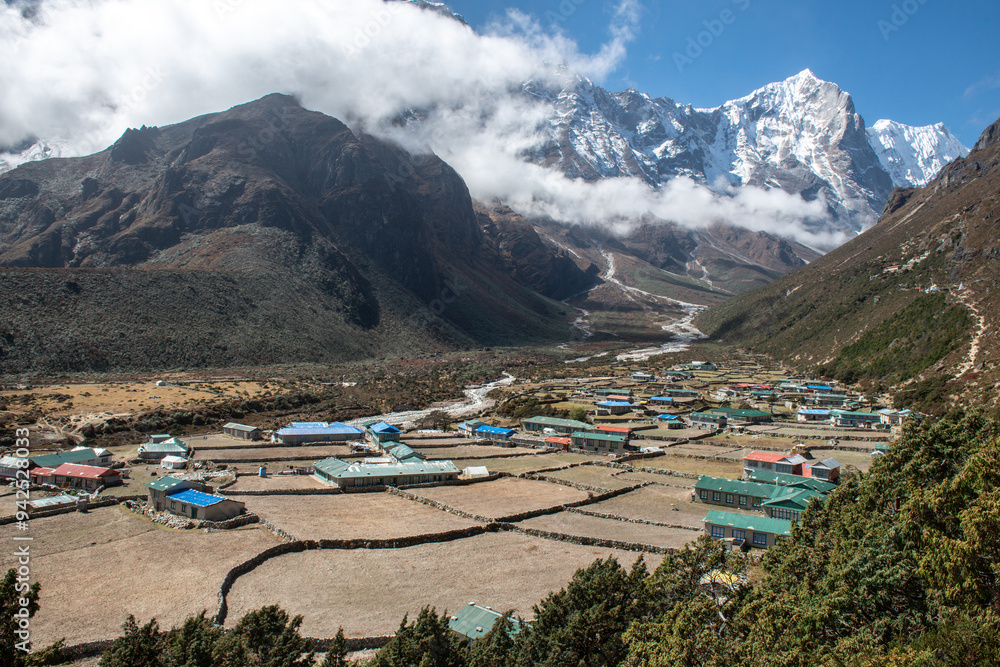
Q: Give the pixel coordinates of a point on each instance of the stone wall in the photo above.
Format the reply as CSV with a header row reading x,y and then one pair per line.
x,y
601,515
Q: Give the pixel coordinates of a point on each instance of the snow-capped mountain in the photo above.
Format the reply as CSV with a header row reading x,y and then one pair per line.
x,y
913,156
802,135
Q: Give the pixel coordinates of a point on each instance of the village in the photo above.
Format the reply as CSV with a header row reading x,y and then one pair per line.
x,y
495,508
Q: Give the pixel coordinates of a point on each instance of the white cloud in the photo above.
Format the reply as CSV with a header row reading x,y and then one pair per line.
x,y
79,72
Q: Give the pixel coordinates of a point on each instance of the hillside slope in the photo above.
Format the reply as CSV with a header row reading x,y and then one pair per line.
x,y
913,297
266,233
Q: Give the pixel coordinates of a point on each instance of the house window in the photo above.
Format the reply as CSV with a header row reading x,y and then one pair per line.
x,y
172,506
743,501
718,531
729,499
703,494
756,502
716,496
739,535
760,539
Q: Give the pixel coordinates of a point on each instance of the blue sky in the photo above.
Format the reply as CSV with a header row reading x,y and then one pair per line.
x,y
915,61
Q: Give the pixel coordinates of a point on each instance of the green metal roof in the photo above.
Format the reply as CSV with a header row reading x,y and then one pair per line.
x,y
792,498
606,437
337,469
784,479
733,412
57,459
760,524
555,421
706,414
735,486
474,621
164,483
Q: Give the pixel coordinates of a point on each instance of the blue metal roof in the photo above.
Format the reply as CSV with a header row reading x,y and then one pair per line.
x,y
383,427
196,498
333,429
819,386
308,425
669,417
814,411
495,429
614,404
662,398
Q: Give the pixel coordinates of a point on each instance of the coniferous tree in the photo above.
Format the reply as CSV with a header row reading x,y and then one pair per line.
x,y
136,647
12,614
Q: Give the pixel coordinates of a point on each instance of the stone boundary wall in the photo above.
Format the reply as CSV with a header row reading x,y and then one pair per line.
x,y
286,536
236,522
70,508
484,458
86,650
601,515
587,541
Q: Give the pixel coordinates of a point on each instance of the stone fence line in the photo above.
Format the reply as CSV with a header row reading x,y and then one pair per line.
x,y
615,517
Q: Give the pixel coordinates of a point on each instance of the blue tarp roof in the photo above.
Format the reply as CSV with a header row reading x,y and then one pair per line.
x,y
196,498
495,429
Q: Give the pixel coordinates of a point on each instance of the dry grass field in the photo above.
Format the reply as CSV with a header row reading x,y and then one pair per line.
x,y
655,503
353,516
527,463
571,523
716,468
599,476
275,482
472,451
503,497
313,452
368,592
127,397
97,568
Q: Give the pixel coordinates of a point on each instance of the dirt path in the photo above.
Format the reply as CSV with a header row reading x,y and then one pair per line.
x,y
970,360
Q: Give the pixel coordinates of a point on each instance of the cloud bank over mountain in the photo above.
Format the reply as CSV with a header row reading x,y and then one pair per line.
x,y
79,72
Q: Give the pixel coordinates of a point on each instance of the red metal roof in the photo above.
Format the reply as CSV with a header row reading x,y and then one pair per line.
x,y
613,429
41,472
556,440
84,472
769,457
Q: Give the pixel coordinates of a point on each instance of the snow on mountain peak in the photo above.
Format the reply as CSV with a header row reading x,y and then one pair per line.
x,y
913,156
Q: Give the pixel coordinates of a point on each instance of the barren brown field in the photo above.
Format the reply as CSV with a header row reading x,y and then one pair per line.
x,y
315,452
521,464
472,451
655,503
367,592
115,566
275,482
503,497
353,516
700,466
598,476
417,443
571,523
637,477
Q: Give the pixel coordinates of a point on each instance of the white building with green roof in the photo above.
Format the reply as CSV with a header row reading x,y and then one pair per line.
x,y
567,426
348,475
759,532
